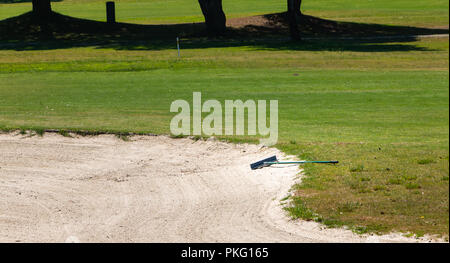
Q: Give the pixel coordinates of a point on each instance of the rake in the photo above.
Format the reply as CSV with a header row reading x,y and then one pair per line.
x,y
273,160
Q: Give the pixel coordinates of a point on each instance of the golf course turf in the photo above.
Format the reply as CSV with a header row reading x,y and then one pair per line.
x,y
380,107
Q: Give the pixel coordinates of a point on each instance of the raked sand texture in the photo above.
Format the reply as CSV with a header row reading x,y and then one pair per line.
x,y
148,189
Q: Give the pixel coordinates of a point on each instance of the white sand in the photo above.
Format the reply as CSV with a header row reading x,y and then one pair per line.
x,y
150,189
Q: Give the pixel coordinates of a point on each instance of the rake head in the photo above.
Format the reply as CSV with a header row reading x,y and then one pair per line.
x,y
263,163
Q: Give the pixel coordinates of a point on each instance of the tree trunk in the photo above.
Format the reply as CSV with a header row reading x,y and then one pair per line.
x,y
297,7
215,18
294,15
42,8
42,11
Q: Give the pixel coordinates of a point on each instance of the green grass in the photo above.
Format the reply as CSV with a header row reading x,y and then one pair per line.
x,y
414,13
381,119
380,108
340,106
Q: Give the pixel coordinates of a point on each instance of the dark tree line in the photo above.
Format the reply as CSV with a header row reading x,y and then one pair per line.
x,y
212,10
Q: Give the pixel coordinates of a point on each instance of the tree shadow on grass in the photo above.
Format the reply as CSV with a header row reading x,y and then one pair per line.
x,y
273,45
269,32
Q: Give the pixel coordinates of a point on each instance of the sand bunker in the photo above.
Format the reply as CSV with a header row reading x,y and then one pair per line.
x,y
149,189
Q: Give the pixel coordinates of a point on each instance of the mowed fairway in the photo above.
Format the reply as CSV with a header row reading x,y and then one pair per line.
x,y
381,109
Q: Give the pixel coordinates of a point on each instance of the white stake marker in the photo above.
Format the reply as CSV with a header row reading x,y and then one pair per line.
x,y
178,46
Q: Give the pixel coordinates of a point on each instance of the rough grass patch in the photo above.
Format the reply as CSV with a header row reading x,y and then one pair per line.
x,y
299,210
395,180
426,161
358,168
123,136
409,177
379,188
39,131
349,207
285,198
65,133
411,186
365,179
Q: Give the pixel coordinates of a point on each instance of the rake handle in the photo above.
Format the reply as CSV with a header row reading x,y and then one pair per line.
x,y
301,162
